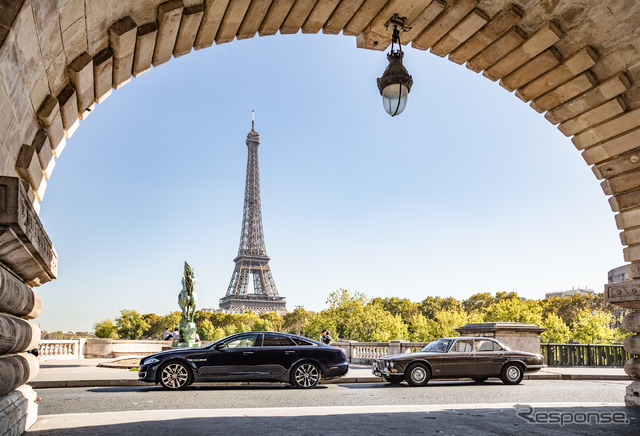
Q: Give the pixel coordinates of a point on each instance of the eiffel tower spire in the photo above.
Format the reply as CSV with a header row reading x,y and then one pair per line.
x,y
252,257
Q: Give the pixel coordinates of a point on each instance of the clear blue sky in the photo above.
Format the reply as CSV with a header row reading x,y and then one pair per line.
x,y
469,190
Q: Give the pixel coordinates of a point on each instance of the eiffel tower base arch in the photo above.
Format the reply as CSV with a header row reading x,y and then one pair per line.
x,y
253,303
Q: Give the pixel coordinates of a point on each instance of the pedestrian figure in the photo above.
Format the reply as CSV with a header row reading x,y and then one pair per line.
x,y
325,337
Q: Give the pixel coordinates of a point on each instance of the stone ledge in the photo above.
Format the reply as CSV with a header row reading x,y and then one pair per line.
x,y
625,294
25,247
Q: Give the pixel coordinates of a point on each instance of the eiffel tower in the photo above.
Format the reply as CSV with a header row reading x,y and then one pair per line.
x,y
252,257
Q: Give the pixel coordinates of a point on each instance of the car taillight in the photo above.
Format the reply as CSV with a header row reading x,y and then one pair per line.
x,y
344,354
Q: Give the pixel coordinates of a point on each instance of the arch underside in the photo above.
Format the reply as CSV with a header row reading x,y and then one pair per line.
x,y
577,64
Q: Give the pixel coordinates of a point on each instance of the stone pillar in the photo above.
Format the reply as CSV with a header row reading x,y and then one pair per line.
x,y
627,295
27,259
515,335
395,347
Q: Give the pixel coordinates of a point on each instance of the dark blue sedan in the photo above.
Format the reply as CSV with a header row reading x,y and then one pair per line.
x,y
252,356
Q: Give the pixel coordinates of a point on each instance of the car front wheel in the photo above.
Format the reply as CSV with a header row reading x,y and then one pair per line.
x,y
175,375
305,375
511,374
417,374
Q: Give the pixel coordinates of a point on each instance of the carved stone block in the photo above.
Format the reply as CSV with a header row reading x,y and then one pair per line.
x,y
625,294
632,344
16,298
16,370
17,335
25,248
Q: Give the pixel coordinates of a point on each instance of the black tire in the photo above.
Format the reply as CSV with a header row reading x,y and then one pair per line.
x,y
417,374
480,379
175,375
306,375
512,374
394,379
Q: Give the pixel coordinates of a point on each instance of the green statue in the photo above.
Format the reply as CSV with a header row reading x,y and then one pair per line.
x,y
187,299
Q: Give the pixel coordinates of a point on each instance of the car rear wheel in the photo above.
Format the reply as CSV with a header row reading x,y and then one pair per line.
x,y
417,374
394,379
480,379
512,374
305,375
175,375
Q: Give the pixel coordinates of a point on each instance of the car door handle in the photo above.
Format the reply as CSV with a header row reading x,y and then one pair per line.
x,y
289,352
247,352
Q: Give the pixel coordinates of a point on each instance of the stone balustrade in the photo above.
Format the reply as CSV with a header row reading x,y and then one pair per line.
x,y
60,349
95,348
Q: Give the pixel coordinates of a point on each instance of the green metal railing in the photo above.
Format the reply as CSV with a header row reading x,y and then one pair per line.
x,y
584,355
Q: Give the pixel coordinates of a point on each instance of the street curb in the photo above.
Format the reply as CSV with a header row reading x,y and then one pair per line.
x,y
49,384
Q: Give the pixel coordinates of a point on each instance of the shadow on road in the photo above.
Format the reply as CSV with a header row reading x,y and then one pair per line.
x,y
496,421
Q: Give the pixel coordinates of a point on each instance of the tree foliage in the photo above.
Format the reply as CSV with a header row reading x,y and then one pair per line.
x,y
130,324
352,315
106,329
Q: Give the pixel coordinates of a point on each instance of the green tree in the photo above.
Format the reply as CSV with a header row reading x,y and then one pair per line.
x,y
557,331
294,321
170,321
572,307
318,322
357,318
106,329
130,324
262,325
154,328
276,321
430,305
594,328
445,321
514,310
206,330
478,302
398,306
422,329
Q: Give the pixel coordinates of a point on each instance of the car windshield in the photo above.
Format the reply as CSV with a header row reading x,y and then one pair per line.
x,y
438,346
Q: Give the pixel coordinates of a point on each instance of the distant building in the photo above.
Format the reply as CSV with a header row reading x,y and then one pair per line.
x,y
569,293
617,275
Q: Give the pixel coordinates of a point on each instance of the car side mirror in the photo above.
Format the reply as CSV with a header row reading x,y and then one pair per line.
x,y
220,346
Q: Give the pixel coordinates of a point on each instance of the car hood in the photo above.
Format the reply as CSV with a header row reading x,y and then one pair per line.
x,y
172,352
410,355
426,355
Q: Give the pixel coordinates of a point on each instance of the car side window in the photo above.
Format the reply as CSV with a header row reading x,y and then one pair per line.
x,y
463,345
271,340
484,345
242,341
302,342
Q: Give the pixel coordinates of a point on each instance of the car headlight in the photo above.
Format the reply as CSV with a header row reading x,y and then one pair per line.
x,y
150,361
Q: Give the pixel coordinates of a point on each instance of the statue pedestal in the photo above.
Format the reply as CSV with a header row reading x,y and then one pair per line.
x,y
187,335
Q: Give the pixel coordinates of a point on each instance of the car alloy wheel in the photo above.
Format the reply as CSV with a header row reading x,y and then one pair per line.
x,y
305,375
418,374
511,374
175,375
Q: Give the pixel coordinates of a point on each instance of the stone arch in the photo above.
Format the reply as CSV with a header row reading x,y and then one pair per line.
x,y
578,64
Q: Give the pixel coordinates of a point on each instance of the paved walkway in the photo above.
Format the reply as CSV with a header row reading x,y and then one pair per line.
x,y
490,418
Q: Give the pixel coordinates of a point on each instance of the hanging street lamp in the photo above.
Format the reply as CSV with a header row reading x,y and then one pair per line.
x,y
395,83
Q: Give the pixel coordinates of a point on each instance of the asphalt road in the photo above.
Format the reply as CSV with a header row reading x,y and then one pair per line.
x,y
114,399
